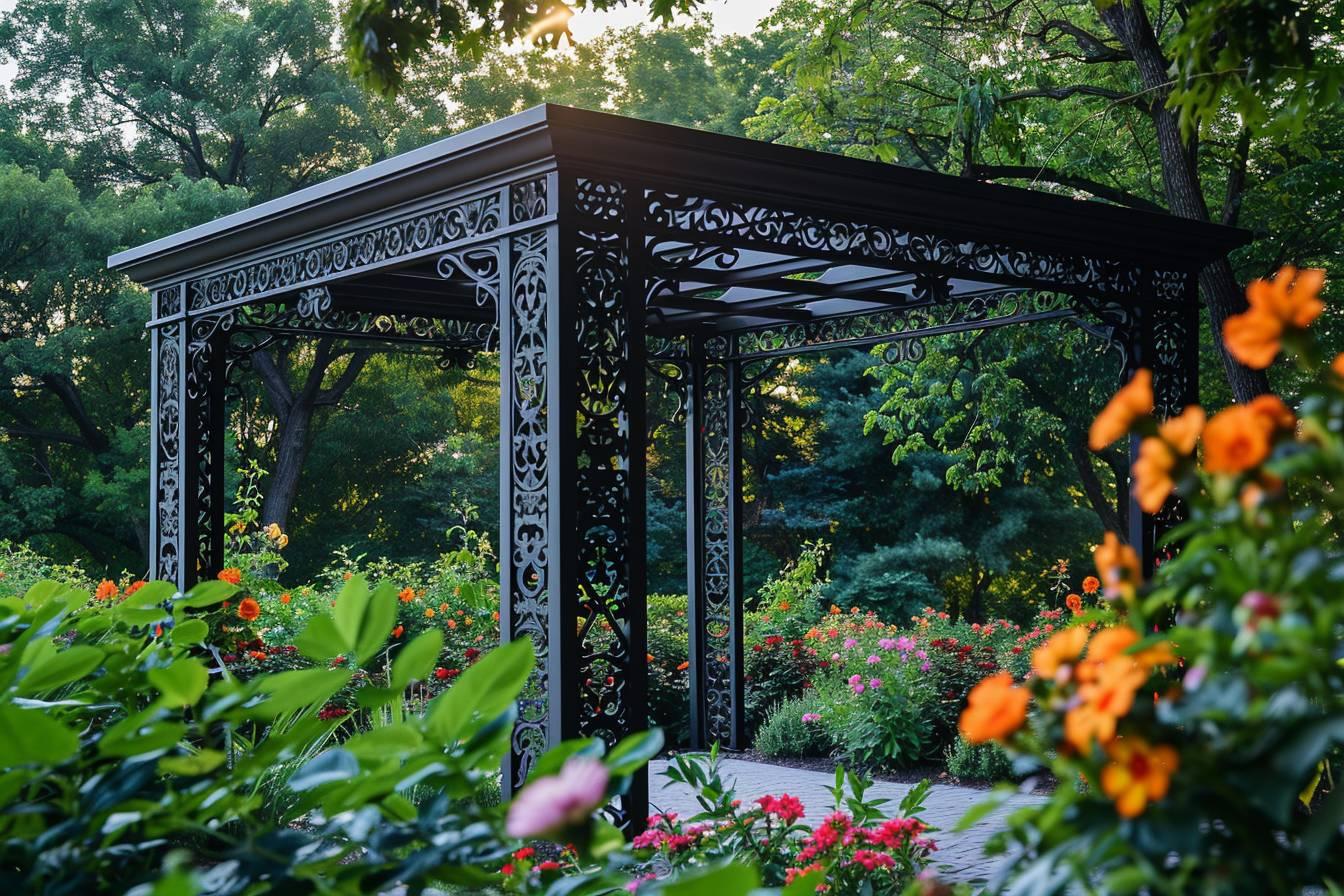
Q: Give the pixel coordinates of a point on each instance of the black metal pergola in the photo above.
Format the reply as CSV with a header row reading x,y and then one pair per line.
x,y
591,250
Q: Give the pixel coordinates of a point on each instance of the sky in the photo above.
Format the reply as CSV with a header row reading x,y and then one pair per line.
x,y
729,16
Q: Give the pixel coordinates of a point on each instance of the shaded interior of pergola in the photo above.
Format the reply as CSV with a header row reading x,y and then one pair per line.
x,y
590,251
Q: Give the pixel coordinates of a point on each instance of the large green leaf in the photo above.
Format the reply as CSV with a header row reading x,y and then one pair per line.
x,y
30,736
735,879
352,606
486,689
416,659
182,683
62,667
320,640
634,752
286,692
206,594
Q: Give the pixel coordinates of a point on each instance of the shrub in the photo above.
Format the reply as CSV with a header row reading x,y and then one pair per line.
x,y
669,675
1204,718
888,729
978,762
794,728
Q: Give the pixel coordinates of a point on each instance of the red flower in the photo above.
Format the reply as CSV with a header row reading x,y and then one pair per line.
x,y
249,609
233,575
549,865
472,653
134,587
440,673
107,589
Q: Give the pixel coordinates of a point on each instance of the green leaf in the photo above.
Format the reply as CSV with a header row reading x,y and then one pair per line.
x,y
33,737
634,752
805,885
333,765
288,691
380,615
43,591
605,838
416,660
352,605
320,640
190,631
486,689
149,595
206,594
201,762
722,880
182,683
62,667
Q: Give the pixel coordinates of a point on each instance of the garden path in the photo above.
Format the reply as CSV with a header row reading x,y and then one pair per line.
x,y
959,857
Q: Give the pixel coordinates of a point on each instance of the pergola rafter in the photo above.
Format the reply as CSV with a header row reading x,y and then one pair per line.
x,y
589,250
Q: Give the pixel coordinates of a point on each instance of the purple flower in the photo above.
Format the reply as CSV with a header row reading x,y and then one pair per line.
x,y
549,805
922,654
810,717
875,683
924,666
887,644
905,643
850,643
874,659
858,689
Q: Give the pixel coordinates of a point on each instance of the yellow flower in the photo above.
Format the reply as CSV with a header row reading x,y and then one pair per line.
x,y
1138,774
1134,400
273,532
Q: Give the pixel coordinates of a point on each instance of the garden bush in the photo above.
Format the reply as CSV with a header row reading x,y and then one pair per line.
x,y
986,762
1202,712
794,729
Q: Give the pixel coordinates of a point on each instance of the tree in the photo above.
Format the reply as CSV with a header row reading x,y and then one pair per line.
x,y
1060,95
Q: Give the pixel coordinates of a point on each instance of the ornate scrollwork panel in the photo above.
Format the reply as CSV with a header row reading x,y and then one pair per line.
x,y
702,217
346,254
527,200
169,354
527,566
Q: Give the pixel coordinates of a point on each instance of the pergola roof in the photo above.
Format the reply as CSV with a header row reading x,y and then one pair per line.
x,y
761,286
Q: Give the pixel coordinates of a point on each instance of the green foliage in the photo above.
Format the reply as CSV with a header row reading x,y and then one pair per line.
x,y
784,733
978,762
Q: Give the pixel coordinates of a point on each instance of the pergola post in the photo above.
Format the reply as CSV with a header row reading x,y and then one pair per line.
x,y
714,546
187,449
1164,339
572,477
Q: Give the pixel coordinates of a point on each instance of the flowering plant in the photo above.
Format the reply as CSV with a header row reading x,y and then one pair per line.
x,y
1201,723
856,848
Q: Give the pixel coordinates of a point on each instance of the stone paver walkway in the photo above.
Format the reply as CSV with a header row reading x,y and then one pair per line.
x,y
959,856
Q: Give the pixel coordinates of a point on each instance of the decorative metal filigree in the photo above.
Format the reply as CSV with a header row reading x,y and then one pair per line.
x,y
313,303
168,302
871,328
724,221
601,199
527,200
167,451
526,365
479,265
349,253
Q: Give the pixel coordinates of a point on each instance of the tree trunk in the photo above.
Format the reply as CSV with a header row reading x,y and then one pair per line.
x,y
1128,21
294,412
1105,510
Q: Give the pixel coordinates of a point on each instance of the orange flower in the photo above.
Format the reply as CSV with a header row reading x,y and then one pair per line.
x,y
995,708
429,612
1133,401
1289,301
1138,774
248,609
1275,415
1074,603
649,657
1118,564
1337,365
683,666
406,595
452,623
233,575
1182,431
1107,644
107,589
398,631
135,586
1235,440
1091,585
284,598
1152,471
1063,648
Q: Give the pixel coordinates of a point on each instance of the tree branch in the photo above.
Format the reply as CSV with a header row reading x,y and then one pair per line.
x,y
1050,175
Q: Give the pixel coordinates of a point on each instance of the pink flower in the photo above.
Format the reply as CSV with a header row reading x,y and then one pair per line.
x,y
905,644
549,805
887,644
874,682
874,659
924,666
850,643
810,717
835,657
858,688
